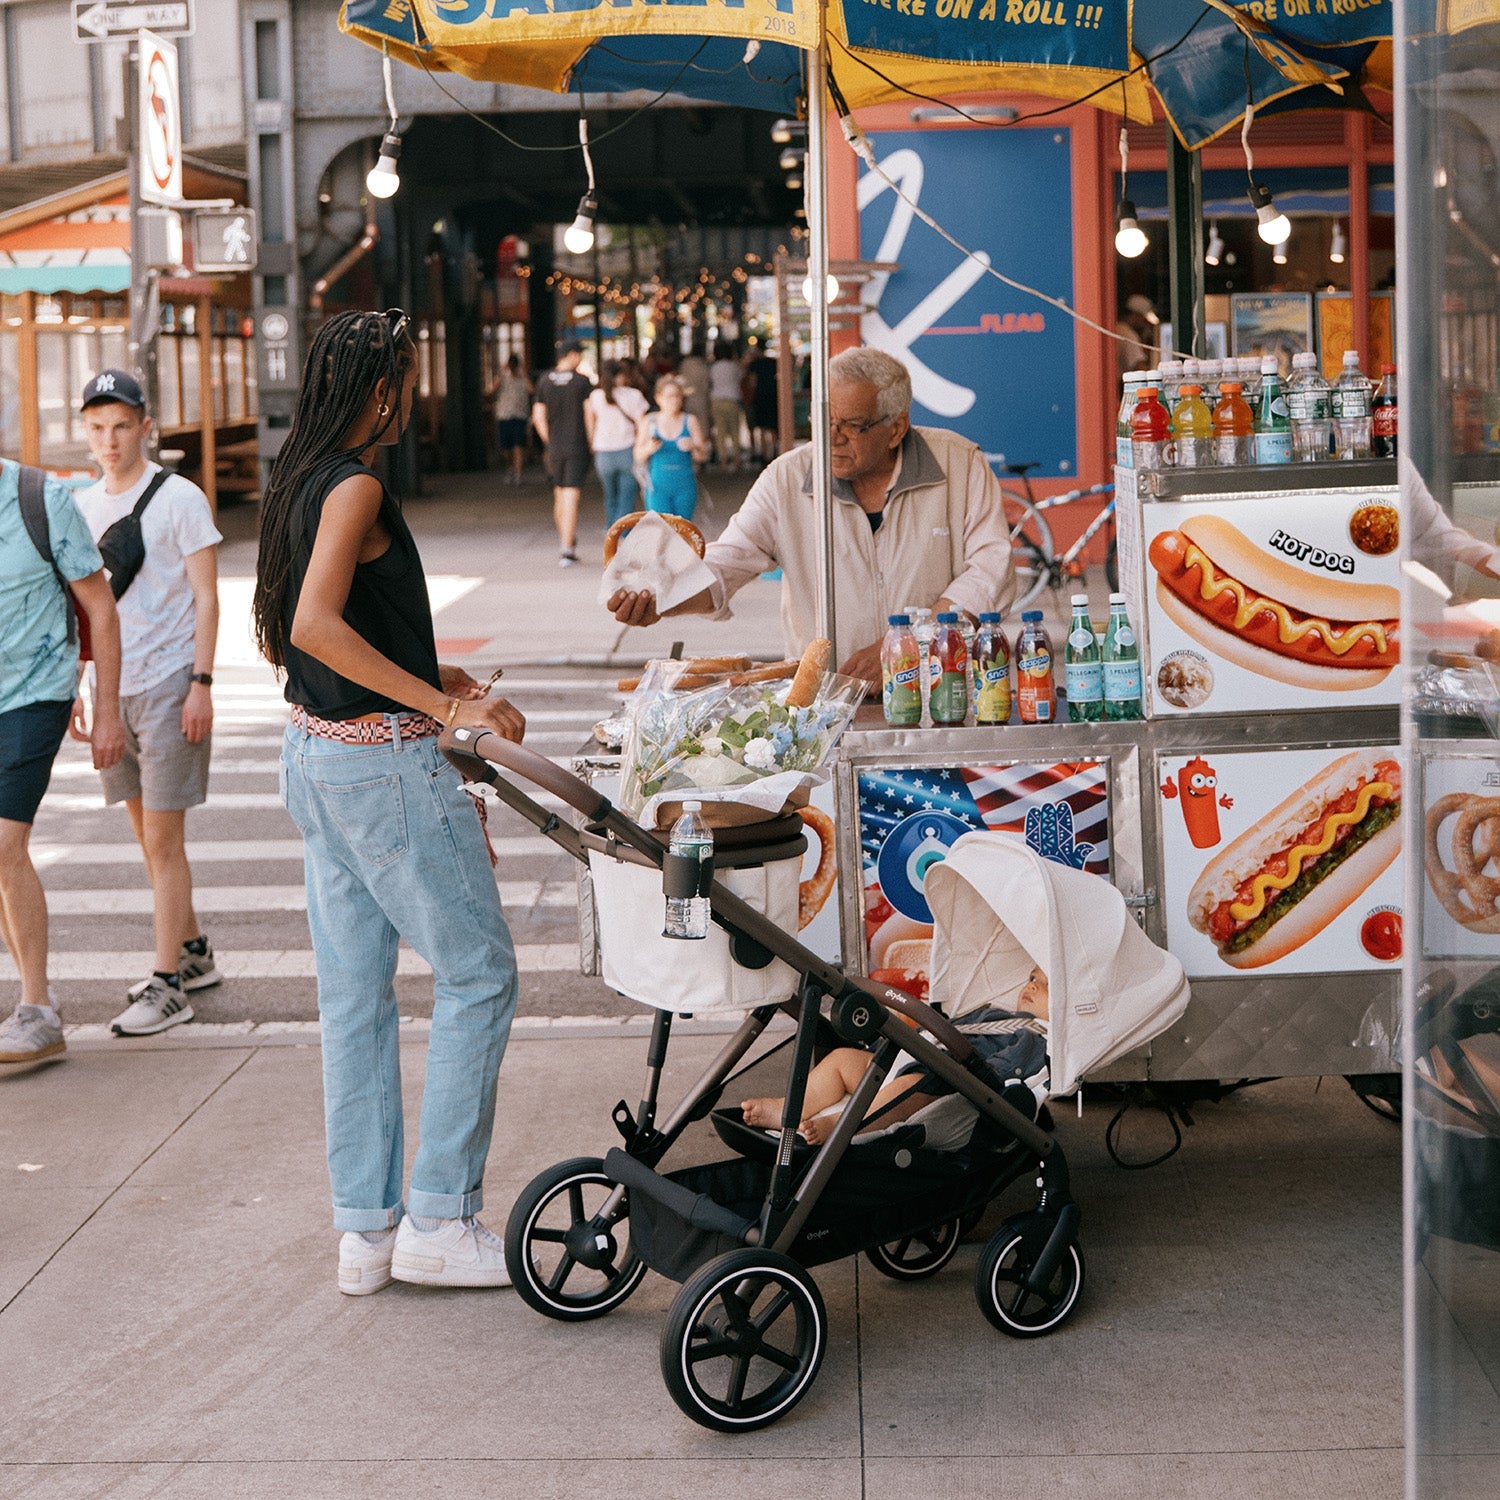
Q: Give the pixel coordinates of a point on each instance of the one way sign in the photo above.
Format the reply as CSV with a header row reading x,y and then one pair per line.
x,y
224,240
102,20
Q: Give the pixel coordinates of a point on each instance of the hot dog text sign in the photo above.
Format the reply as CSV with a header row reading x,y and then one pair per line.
x,y
1273,603
1294,865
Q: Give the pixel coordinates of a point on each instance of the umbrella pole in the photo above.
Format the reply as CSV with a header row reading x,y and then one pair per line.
x,y
816,200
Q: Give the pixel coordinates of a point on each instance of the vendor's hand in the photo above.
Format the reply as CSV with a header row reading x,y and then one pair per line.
x,y
457,683
108,738
497,714
633,609
865,663
78,721
197,714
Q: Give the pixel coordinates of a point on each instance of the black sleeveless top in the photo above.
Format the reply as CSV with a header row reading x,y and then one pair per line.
x,y
387,604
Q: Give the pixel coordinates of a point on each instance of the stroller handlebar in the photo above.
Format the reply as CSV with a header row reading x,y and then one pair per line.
x,y
467,743
920,1012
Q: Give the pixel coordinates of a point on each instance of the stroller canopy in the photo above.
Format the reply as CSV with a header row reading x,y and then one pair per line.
x,y
999,907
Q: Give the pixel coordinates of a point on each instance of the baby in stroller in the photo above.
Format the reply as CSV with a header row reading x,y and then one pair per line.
x,y
1013,1045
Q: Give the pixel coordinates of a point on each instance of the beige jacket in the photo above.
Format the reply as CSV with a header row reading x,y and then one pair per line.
x,y
943,536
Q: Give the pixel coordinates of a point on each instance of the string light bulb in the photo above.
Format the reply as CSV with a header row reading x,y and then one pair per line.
x,y
1339,248
832,288
1272,225
1215,252
382,180
1130,238
578,237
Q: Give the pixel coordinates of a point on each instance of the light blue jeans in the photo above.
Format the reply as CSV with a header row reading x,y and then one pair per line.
x,y
622,494
393,849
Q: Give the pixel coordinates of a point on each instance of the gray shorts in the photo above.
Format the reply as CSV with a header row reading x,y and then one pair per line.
x,y
159,766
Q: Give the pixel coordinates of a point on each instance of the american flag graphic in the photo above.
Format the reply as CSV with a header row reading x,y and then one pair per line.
x,y
1061,809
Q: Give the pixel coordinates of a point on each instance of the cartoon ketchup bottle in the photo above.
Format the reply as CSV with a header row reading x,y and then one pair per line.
x,y
1198,784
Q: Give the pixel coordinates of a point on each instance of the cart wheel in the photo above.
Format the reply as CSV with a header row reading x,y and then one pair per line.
x,y
918,1256
1004,1298
743,1341
566,1262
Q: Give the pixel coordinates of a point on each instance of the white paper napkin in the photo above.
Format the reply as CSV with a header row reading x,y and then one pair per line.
x,y
651,556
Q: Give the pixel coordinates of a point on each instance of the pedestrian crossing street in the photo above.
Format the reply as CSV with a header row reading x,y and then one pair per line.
x,y
247,866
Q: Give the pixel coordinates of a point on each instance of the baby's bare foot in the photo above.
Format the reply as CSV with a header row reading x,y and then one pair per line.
x,y
817,1130
765,1113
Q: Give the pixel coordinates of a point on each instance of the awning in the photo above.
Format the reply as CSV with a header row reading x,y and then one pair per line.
x,y
106,280
84,249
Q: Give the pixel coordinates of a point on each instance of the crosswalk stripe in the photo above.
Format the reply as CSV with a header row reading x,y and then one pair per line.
x,y
515,894
270,963
249,851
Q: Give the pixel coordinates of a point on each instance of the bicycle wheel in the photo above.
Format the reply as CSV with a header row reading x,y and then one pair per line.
x,y
1031,547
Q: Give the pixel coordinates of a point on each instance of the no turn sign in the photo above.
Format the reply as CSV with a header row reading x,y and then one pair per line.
x,y
158,120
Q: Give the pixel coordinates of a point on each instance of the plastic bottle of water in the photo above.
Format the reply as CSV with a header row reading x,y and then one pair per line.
x,y
1351,409
1082,670
1171,379
1211,377
1122,664
1310,406
688,916
1124,453
1247,372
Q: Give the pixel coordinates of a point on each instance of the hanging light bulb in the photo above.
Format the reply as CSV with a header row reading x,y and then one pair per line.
x,y
794,182
1272,225
1215,251
781,132
1339,248
790,159
578,237
383,179
1130,238
832,288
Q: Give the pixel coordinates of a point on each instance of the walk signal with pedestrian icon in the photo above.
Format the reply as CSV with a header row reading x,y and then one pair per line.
x,y
224,240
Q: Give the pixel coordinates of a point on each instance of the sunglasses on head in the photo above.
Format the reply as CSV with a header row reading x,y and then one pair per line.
x,y
399,321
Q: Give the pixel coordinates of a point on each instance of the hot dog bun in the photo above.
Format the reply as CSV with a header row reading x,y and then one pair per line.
x,y
1245,856
1228,646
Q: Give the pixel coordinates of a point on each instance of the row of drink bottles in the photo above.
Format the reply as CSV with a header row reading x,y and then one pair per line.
x,y
1102,670
1238,411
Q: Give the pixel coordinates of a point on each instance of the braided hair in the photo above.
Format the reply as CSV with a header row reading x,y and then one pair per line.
x,y
351,354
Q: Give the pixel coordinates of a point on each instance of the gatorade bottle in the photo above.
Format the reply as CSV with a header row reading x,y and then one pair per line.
x,y
1036,694
1383,415
1234,428
1082,669
1273,425
901,674
1192,429
1123,454
1149,430
991,672
1308,405
1122,665
950,686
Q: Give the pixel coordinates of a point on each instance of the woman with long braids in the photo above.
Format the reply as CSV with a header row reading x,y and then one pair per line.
x,y
393,847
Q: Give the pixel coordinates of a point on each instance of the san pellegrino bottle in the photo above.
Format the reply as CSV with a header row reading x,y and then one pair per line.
x,y
1124,453
1082,671
1122,664
1273,424
692,838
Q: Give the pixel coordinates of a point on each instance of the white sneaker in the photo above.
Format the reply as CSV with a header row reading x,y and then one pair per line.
x,y
156,1007
365,1267
461,1253
30,1034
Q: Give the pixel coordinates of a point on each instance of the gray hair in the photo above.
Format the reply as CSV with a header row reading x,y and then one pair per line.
x,y
888,375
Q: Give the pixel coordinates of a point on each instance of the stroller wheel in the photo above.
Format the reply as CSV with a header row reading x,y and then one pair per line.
x,y
565,1260
743,1341
918,1256
1004,1297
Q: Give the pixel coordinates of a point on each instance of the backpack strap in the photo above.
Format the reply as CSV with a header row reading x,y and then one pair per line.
x,y
32,486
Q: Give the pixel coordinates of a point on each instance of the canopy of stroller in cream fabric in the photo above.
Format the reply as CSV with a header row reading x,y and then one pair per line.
x,y
999,907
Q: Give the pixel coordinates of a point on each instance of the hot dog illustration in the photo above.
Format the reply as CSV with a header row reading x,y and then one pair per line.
x,y
1198,782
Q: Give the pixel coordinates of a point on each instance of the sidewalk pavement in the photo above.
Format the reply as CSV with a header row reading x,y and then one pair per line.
x,y
171,1326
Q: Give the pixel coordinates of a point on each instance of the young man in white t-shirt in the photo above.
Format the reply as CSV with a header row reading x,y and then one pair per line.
x,y
169,621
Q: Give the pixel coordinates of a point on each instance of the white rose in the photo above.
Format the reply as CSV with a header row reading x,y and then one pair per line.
x,y
760,754
713,745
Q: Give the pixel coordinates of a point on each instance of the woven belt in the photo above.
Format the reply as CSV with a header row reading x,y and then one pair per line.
x,y
407,726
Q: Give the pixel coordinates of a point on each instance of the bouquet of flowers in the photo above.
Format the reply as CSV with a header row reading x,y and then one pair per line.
x,y
723,736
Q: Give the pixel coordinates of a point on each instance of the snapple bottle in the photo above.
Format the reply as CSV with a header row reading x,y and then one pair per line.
x,y
949,700
991,672
1035,692
901,674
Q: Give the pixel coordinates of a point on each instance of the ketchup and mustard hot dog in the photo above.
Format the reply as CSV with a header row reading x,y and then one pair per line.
x,y
1250,607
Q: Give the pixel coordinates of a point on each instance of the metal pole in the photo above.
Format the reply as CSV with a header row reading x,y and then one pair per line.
x,y
1185,246
145,303
816,200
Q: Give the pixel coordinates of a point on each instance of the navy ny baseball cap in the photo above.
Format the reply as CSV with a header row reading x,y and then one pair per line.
x,y
114,385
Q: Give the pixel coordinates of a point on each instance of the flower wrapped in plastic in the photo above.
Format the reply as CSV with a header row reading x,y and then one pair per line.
x,y
722,736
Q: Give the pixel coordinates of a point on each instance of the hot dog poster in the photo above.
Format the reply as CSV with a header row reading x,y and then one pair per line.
x,y
1282,861
1461,857
909,816
1285,602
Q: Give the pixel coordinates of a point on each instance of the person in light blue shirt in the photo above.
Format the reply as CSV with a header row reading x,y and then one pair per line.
x,y
38,680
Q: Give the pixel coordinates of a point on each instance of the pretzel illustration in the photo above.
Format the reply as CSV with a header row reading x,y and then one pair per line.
x,y
814,892
685,529
1467,894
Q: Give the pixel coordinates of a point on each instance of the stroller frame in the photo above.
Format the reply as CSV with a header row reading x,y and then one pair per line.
x,y
746,1287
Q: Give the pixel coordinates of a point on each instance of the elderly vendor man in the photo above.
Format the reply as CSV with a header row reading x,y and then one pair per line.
x,y
917,520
